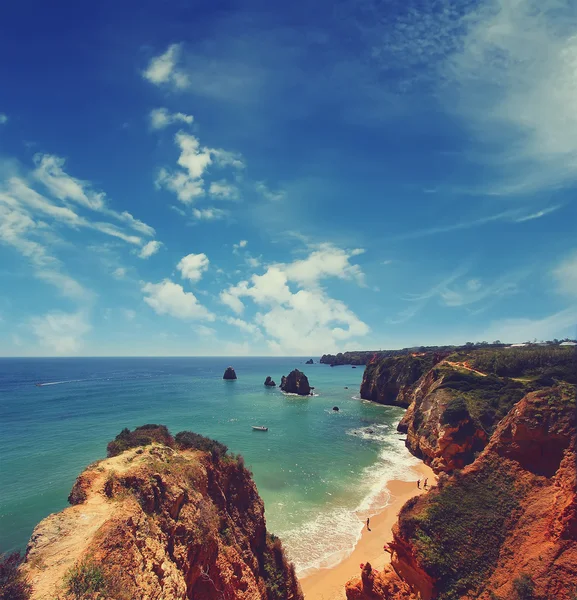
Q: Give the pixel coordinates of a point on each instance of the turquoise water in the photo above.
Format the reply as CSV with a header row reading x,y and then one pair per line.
x,y
320,473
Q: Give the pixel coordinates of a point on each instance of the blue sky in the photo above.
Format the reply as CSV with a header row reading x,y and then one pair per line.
x,y
222,178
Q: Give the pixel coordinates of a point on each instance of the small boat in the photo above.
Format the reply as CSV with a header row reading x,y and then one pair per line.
x,y
259,428
38,385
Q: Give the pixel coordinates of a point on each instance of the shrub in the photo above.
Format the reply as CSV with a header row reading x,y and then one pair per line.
x,y
85,579
455,412
524,587
459,531
188,440
141,436
13,585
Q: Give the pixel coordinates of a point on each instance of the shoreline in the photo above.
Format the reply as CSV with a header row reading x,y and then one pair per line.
x,y
329,583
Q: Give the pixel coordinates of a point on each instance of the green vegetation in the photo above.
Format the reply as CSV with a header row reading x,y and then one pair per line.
x,y
455,412
524,587
275,569
459,529
487,399
141,436
555,362
187,440
13,585
85,580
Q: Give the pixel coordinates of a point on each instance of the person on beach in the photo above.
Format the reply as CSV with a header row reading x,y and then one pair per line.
x,y
368,528
425,484
419,483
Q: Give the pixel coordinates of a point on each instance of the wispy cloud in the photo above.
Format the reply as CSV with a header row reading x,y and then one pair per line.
x,y
509,216
3,118
161,118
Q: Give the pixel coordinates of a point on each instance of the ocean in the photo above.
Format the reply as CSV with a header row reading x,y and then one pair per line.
x,y
319,472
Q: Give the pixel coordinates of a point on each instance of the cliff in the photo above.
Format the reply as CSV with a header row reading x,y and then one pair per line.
x,y
504,527
160,521
390,380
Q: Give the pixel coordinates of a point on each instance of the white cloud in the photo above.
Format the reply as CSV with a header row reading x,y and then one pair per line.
x,y
205,331
3,118
208,214
566,276
66,285
558,325
149,249
129,314
224,190
244,326
253,262
192,266
267,193
161,118
119,273
237,247
164,69
326,261
514,77
185,188
227,158
169,298
50,172
61,332
308,319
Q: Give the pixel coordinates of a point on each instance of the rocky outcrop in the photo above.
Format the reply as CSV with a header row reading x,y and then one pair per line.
x,y
229,373
310,361
269,382
507,521
159,522
390,380
296,382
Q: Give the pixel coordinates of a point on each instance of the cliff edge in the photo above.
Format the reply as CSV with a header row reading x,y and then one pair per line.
x,y
179,519
502,528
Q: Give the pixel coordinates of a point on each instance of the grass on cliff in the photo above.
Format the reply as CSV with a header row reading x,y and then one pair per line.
x,y
459,529
13,585
487,399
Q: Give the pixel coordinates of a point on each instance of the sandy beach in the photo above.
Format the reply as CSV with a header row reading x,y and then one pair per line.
x,y
329,584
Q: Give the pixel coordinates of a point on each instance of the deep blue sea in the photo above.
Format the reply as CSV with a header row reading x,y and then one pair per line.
x,y
319,472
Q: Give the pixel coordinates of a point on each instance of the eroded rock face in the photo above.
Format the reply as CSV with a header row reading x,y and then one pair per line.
x,y
390,380
269,382
229,373
512,513
296,382
162,523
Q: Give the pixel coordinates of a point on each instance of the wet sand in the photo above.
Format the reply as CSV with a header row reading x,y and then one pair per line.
x,y
329,584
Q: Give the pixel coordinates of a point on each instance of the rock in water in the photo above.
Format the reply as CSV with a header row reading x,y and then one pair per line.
x,y
269,382
336,408
229,373
296,383
310,361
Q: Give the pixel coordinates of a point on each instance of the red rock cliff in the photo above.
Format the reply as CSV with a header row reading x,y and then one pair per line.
x,y
159,523
505,527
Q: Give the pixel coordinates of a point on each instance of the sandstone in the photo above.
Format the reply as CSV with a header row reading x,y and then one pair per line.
x,y
296,382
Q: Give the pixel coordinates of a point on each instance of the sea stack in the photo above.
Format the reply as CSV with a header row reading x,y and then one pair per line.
x,y
229,373
310,361
295,382
269,382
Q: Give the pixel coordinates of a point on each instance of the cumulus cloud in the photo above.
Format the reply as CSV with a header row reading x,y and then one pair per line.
x,y
149,249
119,273
307,319
566,275
161,118
164,69
244,326
193,266
223,190
169,298
61,332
